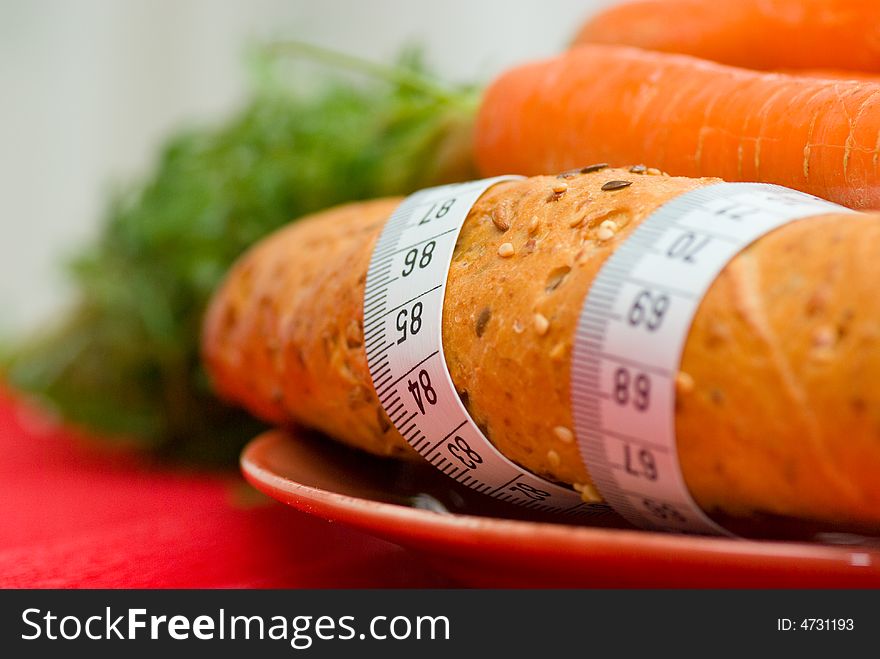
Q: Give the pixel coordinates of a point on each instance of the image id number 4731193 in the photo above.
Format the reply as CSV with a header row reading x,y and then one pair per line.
x,y
815,624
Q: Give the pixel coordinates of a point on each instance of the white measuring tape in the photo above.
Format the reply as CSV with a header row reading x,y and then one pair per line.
x,y
631,333
403,307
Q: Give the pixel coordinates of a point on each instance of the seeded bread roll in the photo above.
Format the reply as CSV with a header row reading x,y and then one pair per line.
x,y
778,402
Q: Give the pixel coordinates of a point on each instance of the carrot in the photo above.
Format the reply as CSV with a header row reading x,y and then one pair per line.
x,y
756,34
832,74
687,116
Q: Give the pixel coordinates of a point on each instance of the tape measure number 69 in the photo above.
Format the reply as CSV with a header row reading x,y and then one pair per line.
x,y
632,332
627,349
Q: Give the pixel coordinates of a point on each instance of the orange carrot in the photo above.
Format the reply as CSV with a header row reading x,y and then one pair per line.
x,y
687,116
832,74
756,34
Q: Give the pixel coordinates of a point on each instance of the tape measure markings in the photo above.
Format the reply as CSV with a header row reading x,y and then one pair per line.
x,y
631,334
640,266
403,300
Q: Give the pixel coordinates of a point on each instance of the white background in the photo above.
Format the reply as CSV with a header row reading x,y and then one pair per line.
x,y
88,89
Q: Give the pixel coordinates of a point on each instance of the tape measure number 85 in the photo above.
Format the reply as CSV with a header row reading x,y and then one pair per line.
x,y
627,349
403,306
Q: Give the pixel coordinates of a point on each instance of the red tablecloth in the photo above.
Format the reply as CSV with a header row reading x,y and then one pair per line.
x,y
73,514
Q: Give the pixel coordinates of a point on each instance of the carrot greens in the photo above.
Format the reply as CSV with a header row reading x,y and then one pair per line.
x,y
125,360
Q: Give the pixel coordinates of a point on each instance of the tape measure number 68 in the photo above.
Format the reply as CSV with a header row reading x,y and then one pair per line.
x,y
627,349
632,332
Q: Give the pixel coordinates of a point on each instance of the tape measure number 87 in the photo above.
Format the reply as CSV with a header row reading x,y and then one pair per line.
x,y
627,349
403,306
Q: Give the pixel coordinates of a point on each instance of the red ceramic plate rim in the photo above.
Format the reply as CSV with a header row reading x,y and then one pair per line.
x,y
757,562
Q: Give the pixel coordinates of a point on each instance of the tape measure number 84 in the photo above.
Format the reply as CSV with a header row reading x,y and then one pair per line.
x,y
403,306
628,345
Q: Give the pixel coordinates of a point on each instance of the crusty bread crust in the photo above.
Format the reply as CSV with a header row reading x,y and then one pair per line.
x,y
778,405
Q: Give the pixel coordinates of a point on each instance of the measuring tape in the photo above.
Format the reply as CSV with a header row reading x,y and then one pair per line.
x,y
631,334
403,307
628,346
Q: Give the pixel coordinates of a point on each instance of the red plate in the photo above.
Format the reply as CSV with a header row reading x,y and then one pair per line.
x,y
409,504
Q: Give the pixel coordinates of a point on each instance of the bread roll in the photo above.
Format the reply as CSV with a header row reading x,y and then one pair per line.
x,y
778,401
